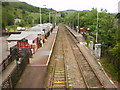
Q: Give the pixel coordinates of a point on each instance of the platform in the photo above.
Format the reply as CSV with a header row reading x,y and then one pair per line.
x,y
35,73
78,36
41,58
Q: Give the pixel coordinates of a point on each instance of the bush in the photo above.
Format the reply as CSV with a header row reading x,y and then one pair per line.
x,y
89,38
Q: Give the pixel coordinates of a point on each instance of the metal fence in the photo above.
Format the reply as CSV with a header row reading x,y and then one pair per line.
x,y
7,61
13,78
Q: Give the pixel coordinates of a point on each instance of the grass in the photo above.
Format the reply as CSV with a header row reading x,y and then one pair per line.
x,y
110,69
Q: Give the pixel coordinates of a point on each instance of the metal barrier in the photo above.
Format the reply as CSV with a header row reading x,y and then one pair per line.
x,y
22,59
13,78
7,61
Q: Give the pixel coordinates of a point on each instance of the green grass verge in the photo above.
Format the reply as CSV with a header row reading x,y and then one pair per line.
x,y
110,69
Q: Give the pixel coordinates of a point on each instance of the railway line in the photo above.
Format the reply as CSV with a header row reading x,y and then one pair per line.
x,y
59,75
58,78
90,78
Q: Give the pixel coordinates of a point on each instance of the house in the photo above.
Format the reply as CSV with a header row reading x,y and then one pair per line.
x,y
17,20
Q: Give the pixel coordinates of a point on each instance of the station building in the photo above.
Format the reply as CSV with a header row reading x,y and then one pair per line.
x,y
21,40
31,38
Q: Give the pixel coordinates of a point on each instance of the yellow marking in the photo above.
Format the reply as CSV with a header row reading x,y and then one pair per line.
x,y
37,65
95,87
58,82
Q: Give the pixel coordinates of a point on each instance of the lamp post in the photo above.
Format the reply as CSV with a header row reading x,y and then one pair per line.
x,y
40,16
97,46
55,19
78,23
49,17
78,20
97,29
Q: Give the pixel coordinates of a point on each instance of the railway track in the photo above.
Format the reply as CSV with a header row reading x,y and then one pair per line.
x,y
90,77
60,76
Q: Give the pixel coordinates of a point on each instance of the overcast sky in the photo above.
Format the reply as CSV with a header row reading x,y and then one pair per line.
x,y
60,5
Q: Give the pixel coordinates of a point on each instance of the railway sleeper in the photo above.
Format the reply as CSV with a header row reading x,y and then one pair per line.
x,y
59,79
59,76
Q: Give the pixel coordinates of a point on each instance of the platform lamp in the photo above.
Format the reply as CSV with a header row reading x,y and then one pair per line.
x,y
78,22
97,29
51,20
98,45
49,17
41,15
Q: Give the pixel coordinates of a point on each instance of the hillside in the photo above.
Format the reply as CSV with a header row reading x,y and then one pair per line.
x,y
20,10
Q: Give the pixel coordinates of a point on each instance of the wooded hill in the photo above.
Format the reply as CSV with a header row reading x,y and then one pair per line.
x,y
20,10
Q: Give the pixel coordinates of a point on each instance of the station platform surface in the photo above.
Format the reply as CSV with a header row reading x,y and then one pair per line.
x,y
78,36
96,65
35,72
41,58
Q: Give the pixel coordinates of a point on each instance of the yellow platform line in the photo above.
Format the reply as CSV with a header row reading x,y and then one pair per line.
x,y
38,65
95,87
58,82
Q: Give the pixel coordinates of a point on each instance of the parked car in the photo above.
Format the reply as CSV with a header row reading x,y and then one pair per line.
x,y
20,28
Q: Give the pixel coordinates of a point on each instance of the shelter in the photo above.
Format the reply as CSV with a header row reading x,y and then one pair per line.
x,y
23,40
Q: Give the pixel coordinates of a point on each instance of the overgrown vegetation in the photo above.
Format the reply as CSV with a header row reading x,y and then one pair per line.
x,y
110,69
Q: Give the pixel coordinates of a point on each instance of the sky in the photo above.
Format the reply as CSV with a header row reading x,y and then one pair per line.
x,y
60,5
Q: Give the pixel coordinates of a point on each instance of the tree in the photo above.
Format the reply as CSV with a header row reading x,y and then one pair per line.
x,y
10,19
4,4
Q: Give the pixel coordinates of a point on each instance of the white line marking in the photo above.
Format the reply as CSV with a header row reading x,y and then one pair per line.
x,y
51,49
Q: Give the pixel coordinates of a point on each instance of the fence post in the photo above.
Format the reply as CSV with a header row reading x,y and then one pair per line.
x,y
10,82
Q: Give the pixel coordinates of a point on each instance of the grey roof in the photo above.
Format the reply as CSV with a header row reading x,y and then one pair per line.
x,y
38,29
16,37
32,32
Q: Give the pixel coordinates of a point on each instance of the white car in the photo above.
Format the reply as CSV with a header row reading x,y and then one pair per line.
x,y
20,28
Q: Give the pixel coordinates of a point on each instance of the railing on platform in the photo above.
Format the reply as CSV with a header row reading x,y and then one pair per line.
x,y
22,59
14,76
6,61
